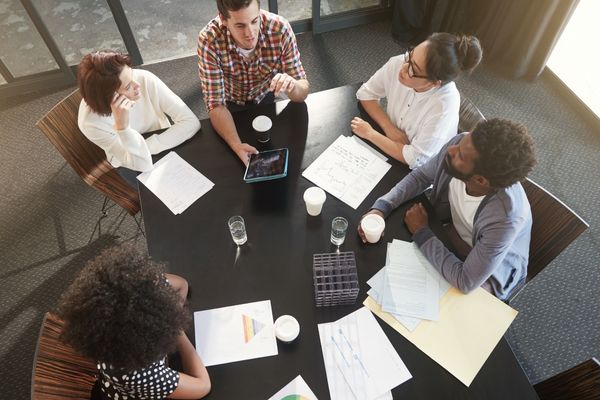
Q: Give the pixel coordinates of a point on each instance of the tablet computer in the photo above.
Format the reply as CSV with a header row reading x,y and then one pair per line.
x,y
267,165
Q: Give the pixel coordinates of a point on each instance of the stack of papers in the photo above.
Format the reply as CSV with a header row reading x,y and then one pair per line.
x,y
175,182
360,361
408,286
348,169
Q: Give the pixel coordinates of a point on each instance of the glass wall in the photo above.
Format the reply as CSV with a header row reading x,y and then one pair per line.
x,y
294,10
80,27
22,48
333,7
574,51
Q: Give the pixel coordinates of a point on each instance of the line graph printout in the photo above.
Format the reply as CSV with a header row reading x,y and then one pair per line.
x,y
347,170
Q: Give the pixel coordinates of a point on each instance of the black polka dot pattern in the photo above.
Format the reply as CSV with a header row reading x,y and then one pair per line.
x,y
154,382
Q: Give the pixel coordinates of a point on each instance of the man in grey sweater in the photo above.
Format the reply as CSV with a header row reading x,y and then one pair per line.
x,y
475,180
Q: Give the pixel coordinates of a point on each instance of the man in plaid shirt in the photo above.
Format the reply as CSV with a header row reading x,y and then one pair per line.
x,y
244,54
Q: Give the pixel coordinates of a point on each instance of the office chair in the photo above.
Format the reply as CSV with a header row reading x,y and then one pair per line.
x,y
581,382
555,226
58,371
468,115
88,160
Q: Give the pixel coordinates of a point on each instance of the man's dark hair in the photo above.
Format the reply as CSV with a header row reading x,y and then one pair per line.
x,y
224,6
120,310
506,153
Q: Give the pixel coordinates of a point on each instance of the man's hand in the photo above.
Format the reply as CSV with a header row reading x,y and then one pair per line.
x,y
282,83
416,218
360,231
362,128
243,151
120,107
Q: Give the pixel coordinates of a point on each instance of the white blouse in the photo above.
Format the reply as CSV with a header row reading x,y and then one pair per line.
x,y
428,118
128,148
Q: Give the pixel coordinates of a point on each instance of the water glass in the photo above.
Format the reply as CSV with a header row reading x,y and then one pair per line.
x,y
237,229
339,226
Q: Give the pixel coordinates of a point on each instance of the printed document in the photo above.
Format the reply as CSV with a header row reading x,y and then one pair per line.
x,y
295,390
235,333
175,182
347,170
360,361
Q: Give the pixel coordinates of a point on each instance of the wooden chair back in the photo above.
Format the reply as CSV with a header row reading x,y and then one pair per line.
x,y
88,160
555,226
58,371
581,382
468,115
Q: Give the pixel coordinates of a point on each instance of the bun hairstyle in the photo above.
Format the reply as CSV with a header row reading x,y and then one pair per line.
x,y
448,55
98,78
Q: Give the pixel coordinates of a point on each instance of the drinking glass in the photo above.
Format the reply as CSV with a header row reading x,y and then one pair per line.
x,y
339,226
237,229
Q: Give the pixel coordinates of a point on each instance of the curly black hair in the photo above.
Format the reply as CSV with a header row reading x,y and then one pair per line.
x,y
506,151
120,310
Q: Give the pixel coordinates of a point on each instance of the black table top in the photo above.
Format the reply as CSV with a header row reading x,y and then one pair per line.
x,y
276,262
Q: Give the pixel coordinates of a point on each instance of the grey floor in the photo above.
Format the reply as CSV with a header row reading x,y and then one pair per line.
x,y
48,214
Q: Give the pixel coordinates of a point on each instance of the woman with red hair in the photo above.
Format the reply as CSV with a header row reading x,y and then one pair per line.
x,y
120,103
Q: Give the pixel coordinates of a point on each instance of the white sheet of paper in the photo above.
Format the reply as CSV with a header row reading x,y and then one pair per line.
x,y
235,333
376,283
360,361
297,388
175,182
408,288
347,171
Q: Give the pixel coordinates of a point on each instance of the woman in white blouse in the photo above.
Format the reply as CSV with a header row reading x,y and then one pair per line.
x,y
120,103
422,99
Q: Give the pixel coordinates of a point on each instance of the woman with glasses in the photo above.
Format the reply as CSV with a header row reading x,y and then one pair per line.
x,y
422,99
121,103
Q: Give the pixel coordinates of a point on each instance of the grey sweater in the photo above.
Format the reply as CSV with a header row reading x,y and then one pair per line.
x,y
501,230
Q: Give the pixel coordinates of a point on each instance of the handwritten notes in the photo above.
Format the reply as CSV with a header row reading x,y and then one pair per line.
x,y
347,170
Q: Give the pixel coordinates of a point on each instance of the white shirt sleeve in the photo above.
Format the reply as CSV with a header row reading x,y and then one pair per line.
x,y
376,87
126,148
185,123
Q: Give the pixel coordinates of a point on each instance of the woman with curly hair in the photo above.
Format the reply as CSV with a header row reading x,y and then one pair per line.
x,y
126,313
422,99
121,103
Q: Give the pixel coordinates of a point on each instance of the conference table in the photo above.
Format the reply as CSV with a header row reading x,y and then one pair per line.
x,y
276,262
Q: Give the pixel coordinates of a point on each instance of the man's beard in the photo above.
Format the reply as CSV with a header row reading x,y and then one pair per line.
x,y
450,170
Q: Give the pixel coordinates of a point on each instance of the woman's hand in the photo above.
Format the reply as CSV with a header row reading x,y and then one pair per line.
x,y
120,107
362,128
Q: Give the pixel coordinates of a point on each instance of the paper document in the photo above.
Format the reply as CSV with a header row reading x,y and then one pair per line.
x,y
175,182
469,328
235,333
347,170
360,361
408,288
295,390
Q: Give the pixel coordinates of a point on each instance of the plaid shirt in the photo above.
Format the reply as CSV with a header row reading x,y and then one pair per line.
x,y
225,75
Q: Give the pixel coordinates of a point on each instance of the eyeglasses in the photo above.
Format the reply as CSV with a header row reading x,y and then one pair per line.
x,y
411,68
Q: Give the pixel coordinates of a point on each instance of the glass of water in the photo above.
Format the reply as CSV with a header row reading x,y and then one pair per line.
x,y
237,229
339,226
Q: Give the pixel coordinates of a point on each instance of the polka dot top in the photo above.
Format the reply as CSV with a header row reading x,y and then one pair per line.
x,y
154,382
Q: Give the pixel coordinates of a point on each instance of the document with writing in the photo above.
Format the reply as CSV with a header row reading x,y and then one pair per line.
x,y
360,361
175,182
408,288
347,170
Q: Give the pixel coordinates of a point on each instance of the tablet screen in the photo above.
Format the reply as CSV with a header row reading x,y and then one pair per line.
x,y
267,164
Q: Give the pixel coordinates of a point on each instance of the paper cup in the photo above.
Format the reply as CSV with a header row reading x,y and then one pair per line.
x,y
373,226
261,125
287,328
314,197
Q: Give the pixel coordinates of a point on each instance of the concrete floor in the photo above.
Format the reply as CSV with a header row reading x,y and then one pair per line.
x,y
163,29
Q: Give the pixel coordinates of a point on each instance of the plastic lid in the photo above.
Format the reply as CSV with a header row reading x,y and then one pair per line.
x,y
262,123
287,328
314,195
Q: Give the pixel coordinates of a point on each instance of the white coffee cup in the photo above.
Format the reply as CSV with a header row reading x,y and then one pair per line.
x,y
314,198
287,328
262,124
373,226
